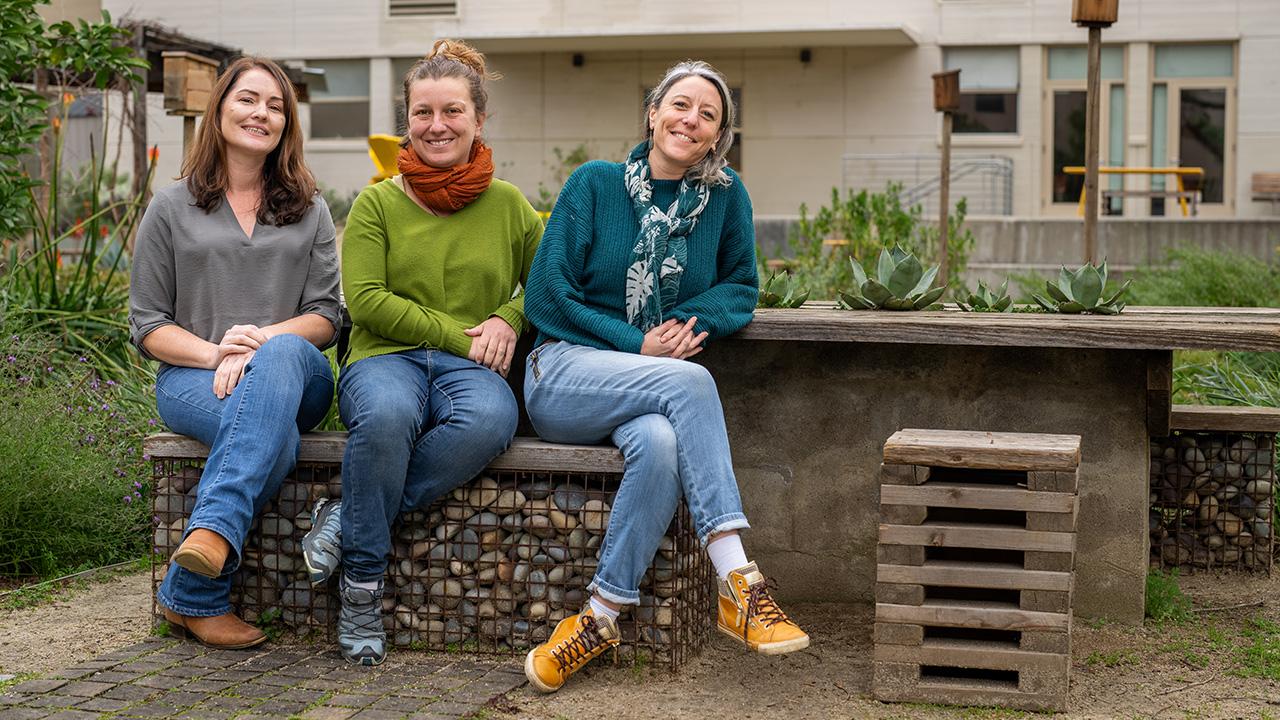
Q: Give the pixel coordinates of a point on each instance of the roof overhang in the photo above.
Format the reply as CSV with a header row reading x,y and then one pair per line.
x,y
893,35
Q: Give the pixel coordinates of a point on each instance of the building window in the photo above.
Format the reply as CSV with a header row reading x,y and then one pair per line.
x,y
988,89
422,8
1067,68
1191,101
341,110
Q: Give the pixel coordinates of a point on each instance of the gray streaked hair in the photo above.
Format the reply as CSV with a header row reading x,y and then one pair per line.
x,y
710,169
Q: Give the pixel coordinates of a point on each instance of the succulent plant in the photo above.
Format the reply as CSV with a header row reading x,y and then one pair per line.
x,y
900,284
986,301
781,291
1082,291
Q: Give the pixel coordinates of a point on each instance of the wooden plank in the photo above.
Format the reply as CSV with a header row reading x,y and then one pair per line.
x,y
969,449
525,453
1229,419
1134,329
1053,522
1047,641
976,535
1159,391
897,634
895,594
981,497
903,514
900,554
972,654
1056,601
982,615
962,692
951,573
1060,482
891,474
1049,561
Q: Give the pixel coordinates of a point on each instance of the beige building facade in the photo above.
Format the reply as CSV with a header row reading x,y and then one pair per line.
x,y
833,93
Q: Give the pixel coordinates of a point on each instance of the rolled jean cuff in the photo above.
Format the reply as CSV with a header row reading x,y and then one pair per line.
x,y
724,523
191,611
612,593
233,552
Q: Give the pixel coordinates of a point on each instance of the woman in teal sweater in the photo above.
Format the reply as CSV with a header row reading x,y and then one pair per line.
x,y
431,262
642,264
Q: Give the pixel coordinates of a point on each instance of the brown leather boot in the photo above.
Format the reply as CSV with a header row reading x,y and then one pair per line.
x,y
204,552
226,632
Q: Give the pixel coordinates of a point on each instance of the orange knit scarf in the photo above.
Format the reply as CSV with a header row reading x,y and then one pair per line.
x,y
448,189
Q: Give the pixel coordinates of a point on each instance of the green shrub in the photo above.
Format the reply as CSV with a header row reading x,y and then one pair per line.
x,y
866,223
1207,278
72,480
1165,601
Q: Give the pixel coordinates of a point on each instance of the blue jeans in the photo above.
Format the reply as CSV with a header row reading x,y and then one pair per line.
x,y
420,423
253,436
665,417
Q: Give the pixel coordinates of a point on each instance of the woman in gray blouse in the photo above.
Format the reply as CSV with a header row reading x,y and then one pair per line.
x,y
234,291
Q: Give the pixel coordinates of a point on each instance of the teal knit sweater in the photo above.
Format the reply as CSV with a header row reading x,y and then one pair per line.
x,y
577,286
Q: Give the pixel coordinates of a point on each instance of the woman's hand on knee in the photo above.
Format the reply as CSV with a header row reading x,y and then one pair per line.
x,y
492,345
229,372
673,339
250,337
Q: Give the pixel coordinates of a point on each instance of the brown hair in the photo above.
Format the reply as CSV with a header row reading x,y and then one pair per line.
x,y
453,59
287,185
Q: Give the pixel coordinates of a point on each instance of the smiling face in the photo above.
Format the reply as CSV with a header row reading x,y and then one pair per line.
x,y
252,115
442,121
685,125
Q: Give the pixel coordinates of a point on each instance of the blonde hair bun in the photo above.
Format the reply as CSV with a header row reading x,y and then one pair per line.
x,y
461,52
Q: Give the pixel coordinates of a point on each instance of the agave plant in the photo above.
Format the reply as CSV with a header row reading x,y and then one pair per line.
x,y
1081,291
900,284
986,301
781,291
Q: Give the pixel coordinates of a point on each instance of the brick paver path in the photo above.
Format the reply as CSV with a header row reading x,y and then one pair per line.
x,y
166,678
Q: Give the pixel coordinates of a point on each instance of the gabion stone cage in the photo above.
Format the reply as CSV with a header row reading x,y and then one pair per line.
x,y
1213,500
491,568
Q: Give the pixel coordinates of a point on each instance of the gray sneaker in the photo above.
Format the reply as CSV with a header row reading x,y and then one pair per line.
x,y
362,639
322,546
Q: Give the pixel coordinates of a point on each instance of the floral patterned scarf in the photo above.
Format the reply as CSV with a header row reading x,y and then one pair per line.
x,y
661,250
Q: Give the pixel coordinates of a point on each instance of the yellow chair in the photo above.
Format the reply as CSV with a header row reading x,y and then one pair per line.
x,y
383,150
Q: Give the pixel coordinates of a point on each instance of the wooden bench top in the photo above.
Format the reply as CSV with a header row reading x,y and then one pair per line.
x,y
1137,328
998,451
1227,419
525,453
1266,183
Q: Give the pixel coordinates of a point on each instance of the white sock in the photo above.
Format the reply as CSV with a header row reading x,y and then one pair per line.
x,y
727,554
599,609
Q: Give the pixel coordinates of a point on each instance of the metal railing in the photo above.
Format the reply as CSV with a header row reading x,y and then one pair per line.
x,y
985,181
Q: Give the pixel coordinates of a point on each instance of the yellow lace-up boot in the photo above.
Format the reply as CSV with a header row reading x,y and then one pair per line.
x,y
576,640
749,615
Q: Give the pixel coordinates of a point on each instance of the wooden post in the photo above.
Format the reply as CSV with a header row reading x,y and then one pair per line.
x,y
188,86
946,100
1095,15
1094,113
944,199
138,130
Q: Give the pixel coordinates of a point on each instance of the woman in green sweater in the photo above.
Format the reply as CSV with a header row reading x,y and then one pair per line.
x,y
431,261
642,264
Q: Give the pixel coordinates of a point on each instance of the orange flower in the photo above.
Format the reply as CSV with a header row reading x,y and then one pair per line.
x,y
153,155
67,99
103,230
57,124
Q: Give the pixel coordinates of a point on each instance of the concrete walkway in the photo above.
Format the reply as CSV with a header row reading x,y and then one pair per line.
x,y
166,678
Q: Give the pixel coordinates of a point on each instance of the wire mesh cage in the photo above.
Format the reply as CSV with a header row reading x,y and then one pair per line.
x,y
491,567
1213,501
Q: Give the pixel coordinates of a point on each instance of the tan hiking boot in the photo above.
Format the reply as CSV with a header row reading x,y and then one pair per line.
x,y
749,615
576,640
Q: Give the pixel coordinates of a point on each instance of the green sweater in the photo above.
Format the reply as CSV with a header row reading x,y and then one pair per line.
x,y
414,280
577,288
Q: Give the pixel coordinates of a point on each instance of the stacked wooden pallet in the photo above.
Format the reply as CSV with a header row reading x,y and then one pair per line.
x,y
975,568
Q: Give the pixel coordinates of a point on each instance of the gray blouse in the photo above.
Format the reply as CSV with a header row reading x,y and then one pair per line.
x,y
199,270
